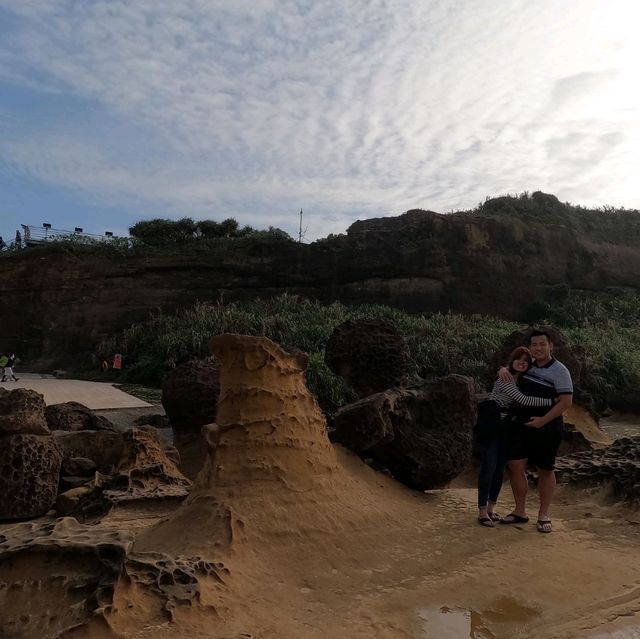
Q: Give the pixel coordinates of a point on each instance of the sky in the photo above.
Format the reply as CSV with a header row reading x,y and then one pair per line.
x,y
114,111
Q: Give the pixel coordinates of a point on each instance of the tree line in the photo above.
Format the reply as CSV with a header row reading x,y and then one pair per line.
x,y
162,231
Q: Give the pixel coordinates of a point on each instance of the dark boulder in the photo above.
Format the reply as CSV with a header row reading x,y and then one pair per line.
x,y
22,412
422,434
79,467
369,354
190,400
73,416
102,447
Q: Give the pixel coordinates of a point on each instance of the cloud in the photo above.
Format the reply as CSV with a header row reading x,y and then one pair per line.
x,y
344,109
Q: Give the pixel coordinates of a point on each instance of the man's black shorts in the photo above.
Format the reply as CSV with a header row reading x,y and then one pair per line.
x,y
538,445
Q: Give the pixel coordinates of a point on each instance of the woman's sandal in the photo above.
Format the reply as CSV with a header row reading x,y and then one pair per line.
x,y
544,526
494,516
487,522
513,518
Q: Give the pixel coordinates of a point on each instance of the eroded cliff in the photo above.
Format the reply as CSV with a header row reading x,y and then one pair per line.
x,y
495,260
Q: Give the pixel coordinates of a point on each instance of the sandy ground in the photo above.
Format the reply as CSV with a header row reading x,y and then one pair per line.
x,y
94,395
432,574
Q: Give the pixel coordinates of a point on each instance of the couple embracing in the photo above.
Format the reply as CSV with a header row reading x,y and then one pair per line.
x,y
521,423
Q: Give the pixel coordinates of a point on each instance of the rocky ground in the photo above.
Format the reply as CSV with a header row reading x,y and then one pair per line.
x,y
285,535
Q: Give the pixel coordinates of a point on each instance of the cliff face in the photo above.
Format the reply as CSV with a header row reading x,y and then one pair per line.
x,y
57,302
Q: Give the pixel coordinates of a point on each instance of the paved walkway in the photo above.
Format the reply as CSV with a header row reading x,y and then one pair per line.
x,y
94,395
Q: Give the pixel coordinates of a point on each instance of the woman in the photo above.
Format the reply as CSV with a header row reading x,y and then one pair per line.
x,y
493,418
7,371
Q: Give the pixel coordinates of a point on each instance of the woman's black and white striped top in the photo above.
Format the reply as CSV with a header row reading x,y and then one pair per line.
x,y
507,393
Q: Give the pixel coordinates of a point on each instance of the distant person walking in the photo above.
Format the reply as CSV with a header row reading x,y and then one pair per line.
x,y
4,360
7,368
18,242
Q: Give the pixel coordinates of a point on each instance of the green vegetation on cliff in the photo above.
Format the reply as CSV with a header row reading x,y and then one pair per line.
x,y
438,344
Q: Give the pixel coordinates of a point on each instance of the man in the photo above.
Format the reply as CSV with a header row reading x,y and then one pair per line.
x,y
535,435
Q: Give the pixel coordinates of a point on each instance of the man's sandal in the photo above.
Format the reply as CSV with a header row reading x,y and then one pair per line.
x,y
486,522
513,518
544,526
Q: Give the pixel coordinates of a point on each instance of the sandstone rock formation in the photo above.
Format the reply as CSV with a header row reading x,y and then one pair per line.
x,y
190,398
29,457
421,434
270,469
143,472
370,355
617,466
22,411
582,432
29,473
75,416
61,579
268,452
58,576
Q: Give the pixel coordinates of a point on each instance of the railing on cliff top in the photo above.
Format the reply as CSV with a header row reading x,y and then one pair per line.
x,y
38,234
34,235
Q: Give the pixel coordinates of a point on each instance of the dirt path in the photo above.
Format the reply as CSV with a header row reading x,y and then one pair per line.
x,y
94,395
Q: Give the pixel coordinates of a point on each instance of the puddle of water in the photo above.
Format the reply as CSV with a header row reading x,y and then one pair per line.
x,y
461,623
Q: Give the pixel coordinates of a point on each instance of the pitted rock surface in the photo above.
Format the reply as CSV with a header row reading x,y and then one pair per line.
x,y
29,473
73,416
57,576
22,411
617,466
421,434
145,471
190,400
176,580
370,355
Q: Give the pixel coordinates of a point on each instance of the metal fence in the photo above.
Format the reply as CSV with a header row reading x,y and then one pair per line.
x,y
38,234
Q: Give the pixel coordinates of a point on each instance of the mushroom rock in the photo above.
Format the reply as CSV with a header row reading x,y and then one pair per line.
x,y
270,472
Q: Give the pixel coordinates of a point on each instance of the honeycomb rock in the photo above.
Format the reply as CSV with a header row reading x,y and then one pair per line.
x,y
144,472
617,466
29,473
60,576
370,355
22,411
